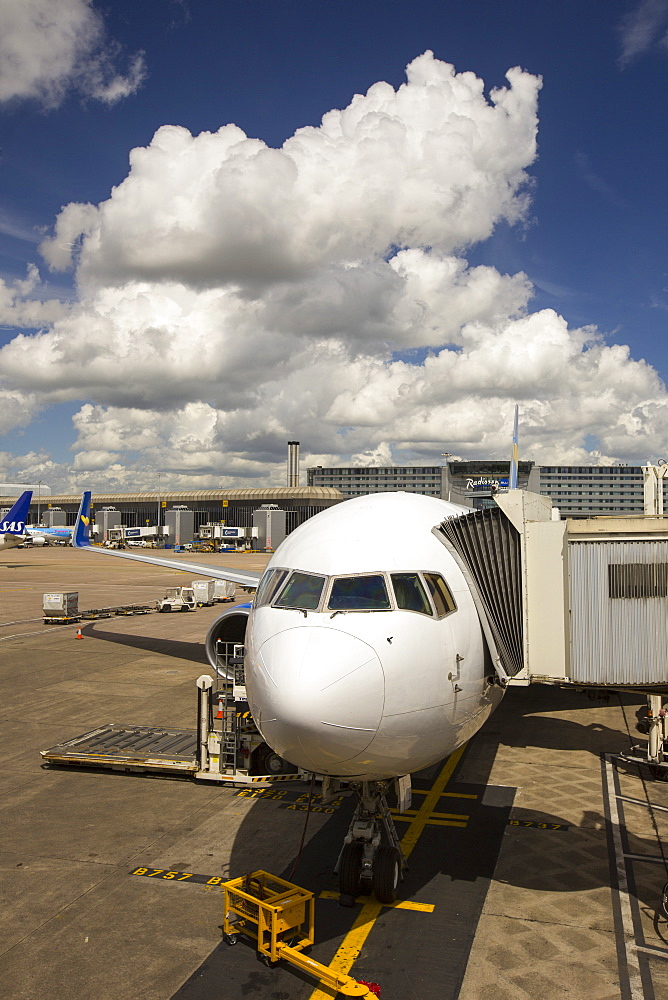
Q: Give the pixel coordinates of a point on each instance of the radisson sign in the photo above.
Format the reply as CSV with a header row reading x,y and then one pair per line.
x,y
486,484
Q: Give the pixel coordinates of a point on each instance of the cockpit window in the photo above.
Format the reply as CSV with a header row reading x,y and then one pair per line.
x,y
443,600
359,593
269,585
302,591
410,593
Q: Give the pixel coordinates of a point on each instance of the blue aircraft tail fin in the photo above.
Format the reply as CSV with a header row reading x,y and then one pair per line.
x,y
14,521
80,535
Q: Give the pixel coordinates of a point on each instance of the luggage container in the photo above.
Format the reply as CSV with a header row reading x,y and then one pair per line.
x,y
223,590
204,591
60,607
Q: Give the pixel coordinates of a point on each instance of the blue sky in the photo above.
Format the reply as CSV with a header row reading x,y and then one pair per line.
x,y
589,237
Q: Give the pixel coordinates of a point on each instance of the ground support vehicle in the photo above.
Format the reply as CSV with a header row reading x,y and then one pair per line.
x,y
178,599
280,916
225,746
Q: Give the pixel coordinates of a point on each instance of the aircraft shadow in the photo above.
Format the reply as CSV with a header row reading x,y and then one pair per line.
x,y
530,717
450,867
471,853
193,651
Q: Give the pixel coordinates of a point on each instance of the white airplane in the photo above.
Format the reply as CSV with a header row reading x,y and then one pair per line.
x,y
13,525
42,535
365,659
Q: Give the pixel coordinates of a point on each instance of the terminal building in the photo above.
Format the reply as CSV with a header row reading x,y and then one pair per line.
x,y
472,484
577,490
233,507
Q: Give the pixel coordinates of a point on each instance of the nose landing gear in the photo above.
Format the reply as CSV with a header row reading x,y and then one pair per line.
x,y
365,864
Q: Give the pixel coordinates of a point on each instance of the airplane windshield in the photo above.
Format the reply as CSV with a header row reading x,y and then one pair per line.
x,y
302,592
443,600
269,585
359,593
410,593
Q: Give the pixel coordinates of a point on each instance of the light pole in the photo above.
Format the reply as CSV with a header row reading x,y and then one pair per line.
x,y
39,500
159,501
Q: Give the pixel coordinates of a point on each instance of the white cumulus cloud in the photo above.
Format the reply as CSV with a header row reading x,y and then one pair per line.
x,y
23,305
51,47
233,297
433,164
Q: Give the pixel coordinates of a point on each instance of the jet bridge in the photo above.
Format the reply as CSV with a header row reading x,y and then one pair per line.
x,y
573,602
581,602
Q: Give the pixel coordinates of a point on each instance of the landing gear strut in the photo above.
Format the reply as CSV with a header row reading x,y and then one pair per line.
x,y
366,864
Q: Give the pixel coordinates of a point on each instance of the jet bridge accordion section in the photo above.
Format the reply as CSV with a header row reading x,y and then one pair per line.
x,y
487,547
567,601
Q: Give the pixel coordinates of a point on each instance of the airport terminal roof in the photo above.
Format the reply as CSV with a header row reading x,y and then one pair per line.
x,y
269,494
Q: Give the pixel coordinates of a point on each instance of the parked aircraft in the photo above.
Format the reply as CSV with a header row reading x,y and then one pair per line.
x,y
12,527
364,657
41,535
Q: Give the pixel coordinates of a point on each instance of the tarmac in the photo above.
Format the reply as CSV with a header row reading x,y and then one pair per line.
x,y
537,860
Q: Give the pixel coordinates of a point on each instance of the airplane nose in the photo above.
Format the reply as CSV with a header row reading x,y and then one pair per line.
x,y
320,695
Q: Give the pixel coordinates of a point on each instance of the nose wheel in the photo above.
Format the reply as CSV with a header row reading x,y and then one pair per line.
x,y
350,869
386,873
365,863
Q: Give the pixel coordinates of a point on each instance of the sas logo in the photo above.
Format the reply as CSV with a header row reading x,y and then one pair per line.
x,y
16,527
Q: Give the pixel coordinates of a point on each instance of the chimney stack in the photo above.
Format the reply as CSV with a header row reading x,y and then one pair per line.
x,y
293,463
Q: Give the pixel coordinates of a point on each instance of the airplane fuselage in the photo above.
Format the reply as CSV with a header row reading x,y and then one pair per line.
x,y
48,536
364,653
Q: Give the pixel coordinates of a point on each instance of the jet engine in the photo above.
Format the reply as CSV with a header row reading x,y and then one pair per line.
x,y
39,540
230,627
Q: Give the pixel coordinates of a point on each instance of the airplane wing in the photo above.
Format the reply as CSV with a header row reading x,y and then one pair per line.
x,y
81,540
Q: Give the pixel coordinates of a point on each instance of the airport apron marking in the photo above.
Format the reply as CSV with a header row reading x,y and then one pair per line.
x,y
214,882
298,804
209,881
534,824
354,940
398,904
445,795
434,819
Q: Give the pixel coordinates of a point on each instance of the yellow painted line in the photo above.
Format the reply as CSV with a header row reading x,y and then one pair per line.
x,y
450,795
413,812
354,941
445,822
399,904
414,831
436,822
352,944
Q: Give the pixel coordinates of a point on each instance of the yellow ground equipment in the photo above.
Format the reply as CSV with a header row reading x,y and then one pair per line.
x,y
272,912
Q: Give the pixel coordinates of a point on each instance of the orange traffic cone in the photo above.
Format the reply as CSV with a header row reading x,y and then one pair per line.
x,y
78,635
